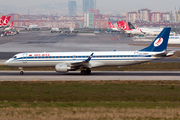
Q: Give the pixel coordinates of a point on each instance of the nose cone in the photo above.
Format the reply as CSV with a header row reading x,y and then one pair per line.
x,y
6,63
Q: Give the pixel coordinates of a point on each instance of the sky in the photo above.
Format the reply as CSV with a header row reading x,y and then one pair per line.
x,y
121,5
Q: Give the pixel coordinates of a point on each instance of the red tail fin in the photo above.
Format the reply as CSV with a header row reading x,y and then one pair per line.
x,y
6,20
2,20
124,25
119,25
111,25
11,25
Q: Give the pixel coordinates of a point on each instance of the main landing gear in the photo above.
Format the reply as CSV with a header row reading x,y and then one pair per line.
x,y
85,72
21,70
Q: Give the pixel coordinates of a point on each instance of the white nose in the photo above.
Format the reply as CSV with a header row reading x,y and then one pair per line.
x,y
6,63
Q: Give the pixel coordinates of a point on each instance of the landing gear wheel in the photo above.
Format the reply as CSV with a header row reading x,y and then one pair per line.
x,y
88,71
21,72
83,72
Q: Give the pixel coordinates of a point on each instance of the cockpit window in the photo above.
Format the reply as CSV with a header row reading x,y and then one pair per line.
x,y
15,57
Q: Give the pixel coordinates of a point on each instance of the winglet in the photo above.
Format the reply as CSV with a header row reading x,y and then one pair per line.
x,y
89,58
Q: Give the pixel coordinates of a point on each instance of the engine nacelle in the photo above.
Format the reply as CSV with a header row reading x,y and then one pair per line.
x,y
62,68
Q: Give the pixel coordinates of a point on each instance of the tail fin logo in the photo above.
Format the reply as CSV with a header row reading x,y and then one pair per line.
x,y
6,21
158,42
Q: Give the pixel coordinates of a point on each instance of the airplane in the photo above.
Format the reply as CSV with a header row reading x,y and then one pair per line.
x,y
149,31
32,27
35,27
174,40
127,30
71,30
9,30
10,27
57,30
71,61
114,29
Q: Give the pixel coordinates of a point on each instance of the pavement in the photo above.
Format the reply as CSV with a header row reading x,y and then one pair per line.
x,y
95,75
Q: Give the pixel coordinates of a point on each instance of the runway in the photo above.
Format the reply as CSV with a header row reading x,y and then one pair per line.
x,y
96,75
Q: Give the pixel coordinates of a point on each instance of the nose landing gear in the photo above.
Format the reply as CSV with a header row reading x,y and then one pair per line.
x,y
21,70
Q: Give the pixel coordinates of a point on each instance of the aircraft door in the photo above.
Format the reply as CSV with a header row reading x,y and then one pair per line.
x,y
136,56
74,57
24,57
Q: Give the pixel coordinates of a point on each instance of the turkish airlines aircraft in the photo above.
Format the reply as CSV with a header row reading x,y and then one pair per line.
x,y
111,26
10,27
70,61
127,30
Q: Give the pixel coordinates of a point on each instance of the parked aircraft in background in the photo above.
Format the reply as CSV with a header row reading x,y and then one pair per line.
x,y
70,61
57,30
9,30
149,31
127,30
111,26
10,27
32,27
71,30
174,40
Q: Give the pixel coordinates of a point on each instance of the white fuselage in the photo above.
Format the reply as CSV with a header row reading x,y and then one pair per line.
x,y
55,30
106,58
134,32
174,40
33,26
151,31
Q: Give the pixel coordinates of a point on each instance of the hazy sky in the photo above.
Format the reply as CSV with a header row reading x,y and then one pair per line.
x,y
127,5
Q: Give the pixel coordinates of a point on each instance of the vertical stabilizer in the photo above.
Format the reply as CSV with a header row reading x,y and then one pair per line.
x,y
160,43
111,25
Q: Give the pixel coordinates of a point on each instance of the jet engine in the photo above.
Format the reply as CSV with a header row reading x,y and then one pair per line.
x,y
62,68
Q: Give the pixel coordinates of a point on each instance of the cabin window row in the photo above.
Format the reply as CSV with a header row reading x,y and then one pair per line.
x,y
85,56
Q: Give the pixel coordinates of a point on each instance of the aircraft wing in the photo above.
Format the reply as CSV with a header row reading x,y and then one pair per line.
x,y
84,63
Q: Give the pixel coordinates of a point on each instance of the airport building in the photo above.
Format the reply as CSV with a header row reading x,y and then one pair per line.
x,y
131,17
72,8
177,16
89,20
168,17
144,15
156,16
87,4
100,21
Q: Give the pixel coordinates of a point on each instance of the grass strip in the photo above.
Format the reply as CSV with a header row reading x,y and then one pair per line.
x,y
150,66
90,91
